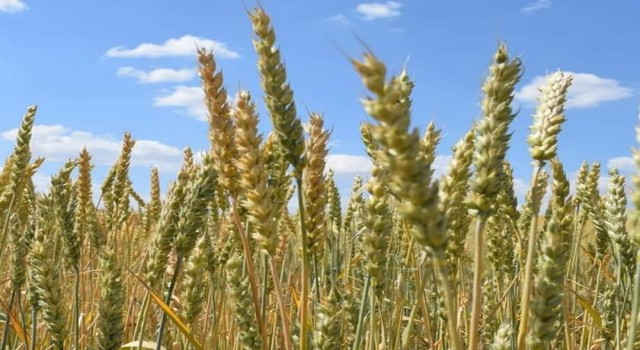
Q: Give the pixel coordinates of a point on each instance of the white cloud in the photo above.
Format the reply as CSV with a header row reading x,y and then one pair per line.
x,y
440,165
537,5
623,164
59,143
376,10
41,182
159,75
587,90
349,164
182,46
189,97
361,165
520,188
12,6
338,19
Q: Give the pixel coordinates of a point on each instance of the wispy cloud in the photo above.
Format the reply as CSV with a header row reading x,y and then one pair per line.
x,y
42,182
338,19
12,6
182,46
441,165
536,6
377,10
586,91
348,164
159,75
361,165
190,98
624,164
59,143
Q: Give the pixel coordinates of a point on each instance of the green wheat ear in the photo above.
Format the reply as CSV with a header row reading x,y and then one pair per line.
x,y
221,127
552,264
278,94
194,290
254,180
238,286
48,287
314,184
110,310
549,116
399,153
454,187
492,131
22,151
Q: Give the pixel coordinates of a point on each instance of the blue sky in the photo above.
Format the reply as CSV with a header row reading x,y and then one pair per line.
x,y
100,68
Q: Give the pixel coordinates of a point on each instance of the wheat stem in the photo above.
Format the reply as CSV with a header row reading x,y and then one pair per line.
x,y
142,319
5,335
476,303
281,306
635,308
167,301
528,270
363,308
251,272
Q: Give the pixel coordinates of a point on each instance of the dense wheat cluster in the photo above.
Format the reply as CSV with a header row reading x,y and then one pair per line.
x,y
218,260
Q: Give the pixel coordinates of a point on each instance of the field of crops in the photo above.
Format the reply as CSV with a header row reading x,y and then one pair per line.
x,y
220,260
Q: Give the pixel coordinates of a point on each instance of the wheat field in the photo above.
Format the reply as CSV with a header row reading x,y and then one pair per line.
x,y
220,260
